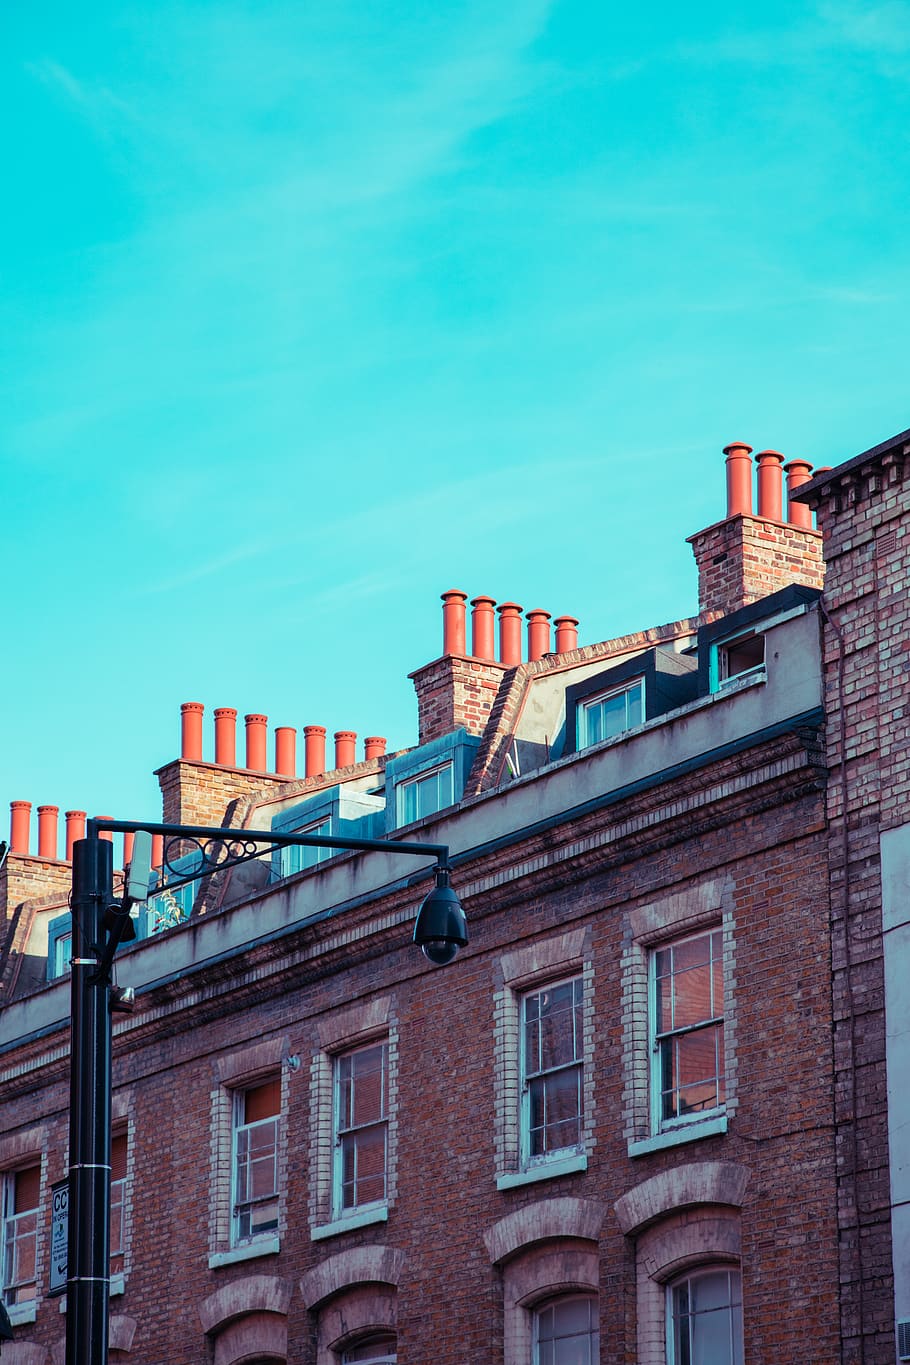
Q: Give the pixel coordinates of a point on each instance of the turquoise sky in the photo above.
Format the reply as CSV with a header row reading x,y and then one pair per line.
x,y
312,311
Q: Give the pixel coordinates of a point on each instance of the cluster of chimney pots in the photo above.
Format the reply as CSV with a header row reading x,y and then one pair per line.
x,y
770,468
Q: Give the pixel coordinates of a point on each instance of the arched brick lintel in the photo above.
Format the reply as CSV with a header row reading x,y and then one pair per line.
x,y
541,1222
359,1265
681,1187
120,1338
254,1294
24,1353
258,1336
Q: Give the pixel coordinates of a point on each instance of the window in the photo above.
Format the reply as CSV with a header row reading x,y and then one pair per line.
x,y
687,1045
741,655
610,713
63,953
118,1200
255,1161
298,857
705,1319
361,1127
566,1332
20,1234
375,1350
423,795
552,1066
168,908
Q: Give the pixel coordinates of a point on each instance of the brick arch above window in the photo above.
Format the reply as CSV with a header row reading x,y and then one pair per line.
x,y
680,1240
681,1187
254,1339
24,1353
248,1319
253,1294
544,1221
359,1265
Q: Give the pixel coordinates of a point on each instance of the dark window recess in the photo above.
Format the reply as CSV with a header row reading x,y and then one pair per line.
x,y
741,656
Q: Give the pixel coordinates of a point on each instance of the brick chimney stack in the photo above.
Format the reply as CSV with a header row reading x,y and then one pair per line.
x,y
458,689
749,555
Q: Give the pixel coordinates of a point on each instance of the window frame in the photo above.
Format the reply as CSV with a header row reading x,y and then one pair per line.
x,y
119,1188
340,1131
526,1077
721,675
377,1339
239,1207
586,704
734,1302
657,1039
552,1305
415,782
305,857
9,1246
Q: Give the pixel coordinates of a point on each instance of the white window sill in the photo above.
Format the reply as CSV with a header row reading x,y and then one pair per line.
x,y
687,1132
379,1214
118,1286
545,1170
20,1313
264,1246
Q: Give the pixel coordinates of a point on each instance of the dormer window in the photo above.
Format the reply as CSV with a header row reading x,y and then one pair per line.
x,y
741,655
296,857
426,793
610,713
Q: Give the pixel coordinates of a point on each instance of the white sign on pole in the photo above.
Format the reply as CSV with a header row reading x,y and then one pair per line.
x,y
60,1200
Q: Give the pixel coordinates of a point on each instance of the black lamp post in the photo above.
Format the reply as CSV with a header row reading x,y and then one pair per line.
x,y
100,924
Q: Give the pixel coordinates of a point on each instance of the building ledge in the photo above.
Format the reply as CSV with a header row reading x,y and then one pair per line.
x,y
20,1313
265,1246
674,1137
547,1170
354,1220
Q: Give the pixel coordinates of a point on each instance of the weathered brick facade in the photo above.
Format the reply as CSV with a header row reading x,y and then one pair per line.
x,y
723,817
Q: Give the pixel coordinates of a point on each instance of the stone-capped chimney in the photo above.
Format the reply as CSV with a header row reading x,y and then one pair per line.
x,y
749,555
459,689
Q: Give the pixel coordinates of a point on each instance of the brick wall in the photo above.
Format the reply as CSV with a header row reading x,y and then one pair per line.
x,y
454,691
745,558
755,824
865,517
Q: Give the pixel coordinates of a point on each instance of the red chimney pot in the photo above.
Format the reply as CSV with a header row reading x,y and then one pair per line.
x,y
454,639
75,829
256,741
19,816
345,748
739,479
373,746
509,633
47,831
286,750
566,634
226,736
798,472
770,489
314,749
483,628
191,731
538,633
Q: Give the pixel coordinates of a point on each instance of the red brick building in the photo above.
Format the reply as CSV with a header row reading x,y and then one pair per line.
x,y
643,1117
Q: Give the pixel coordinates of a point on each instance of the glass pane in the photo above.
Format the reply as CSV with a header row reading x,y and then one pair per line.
x,y
693,996
635,696
262,1101
711,1340
710,1291
27,1187
378,1350
613,710
565,1332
